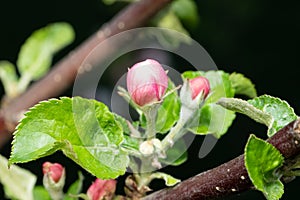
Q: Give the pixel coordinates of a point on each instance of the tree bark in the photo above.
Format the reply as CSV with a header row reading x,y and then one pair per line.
x,y
231,177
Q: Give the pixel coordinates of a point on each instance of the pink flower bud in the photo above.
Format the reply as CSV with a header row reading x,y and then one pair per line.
x,y
53,170
147,82
199,84
102,189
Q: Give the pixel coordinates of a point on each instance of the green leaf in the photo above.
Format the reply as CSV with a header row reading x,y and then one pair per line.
x,y
191,74
130,143
85,130
176,155
75,188
171,21
262,161
242,85
168,112
36,54
17,183
167,19
187,12
40,193
123,123
169,180
9,78
220,85
280,111
213,118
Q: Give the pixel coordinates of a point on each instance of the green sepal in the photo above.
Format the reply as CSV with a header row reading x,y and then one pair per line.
x,y
262,161
85,130
168,112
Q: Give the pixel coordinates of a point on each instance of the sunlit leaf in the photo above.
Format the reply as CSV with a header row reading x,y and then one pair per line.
x,y
261,161
36,54
281,112
187,12
75,188
85,130
40,193
242,85
9,78
18,183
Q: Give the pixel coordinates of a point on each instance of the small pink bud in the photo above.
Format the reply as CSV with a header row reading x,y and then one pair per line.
x,y
102,189
199,84
53,170
147,82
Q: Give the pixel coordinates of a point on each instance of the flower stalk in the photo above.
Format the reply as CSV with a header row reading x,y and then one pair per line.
x,y
192,96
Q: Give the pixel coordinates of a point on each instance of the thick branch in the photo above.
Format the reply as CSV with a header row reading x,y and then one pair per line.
x,y
64,72
231,177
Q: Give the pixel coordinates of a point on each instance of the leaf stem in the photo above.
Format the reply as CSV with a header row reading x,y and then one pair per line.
x,y
175,133
242,106
23,82
187,118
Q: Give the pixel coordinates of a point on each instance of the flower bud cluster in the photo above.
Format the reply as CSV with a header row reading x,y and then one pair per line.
x,y
147,83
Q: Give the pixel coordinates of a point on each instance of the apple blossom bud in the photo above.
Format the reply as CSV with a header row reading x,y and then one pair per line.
x,y
54,179
198,85
147,82
102,189
53,171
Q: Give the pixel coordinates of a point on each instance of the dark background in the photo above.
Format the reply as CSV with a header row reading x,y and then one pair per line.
x,y
257,38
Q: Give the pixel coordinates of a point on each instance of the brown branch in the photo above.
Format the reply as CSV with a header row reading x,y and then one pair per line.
x,y
64,72
231,177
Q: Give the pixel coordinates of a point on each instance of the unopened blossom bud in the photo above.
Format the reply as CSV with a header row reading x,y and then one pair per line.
x,y
147,82
198,85
54,179
102,189
53,171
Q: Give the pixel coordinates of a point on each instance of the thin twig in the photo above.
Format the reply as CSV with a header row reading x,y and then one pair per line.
x,y
64,72
231,177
